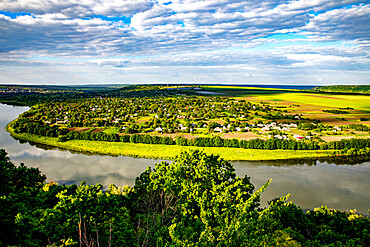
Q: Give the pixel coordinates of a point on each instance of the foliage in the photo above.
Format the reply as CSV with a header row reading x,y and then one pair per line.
x,y
21,125
230,152
360,89
358,127
336,111
196,201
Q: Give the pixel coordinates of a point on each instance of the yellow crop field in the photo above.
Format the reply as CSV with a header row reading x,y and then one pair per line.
x,y
358,102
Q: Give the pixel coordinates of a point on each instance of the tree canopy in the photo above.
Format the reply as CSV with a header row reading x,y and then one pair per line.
x,y
197,200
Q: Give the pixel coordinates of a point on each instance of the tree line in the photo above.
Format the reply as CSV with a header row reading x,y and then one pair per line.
x,y
336,111
269,144
22,125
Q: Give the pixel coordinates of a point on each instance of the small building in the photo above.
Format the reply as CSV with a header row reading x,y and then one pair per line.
x,y
298,137
217,129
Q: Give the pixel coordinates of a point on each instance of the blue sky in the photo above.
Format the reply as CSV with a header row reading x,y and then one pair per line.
x,y
296,42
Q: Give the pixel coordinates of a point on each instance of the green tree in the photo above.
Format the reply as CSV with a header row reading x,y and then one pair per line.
x,y
193,186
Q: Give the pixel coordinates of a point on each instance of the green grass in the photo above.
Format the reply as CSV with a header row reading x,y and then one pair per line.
x,y
359,102
226,88
170,151
111,131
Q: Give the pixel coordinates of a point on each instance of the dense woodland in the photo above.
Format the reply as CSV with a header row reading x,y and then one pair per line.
x,y
196,201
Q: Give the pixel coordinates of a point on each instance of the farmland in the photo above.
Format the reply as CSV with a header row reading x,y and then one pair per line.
x,y
217,119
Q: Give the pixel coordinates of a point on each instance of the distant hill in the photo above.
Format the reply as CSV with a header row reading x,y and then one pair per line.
x,y
357,89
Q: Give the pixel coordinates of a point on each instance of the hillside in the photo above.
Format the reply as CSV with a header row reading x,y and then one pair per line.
x,y
358,89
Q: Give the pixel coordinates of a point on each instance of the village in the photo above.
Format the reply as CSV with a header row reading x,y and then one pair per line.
x,y
151,122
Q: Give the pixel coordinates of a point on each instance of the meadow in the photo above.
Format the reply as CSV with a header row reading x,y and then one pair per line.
x,y
255,94
170,151
310,104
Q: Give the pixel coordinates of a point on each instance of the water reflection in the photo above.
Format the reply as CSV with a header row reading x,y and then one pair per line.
x,y
337,160
342,187
311,183
68,167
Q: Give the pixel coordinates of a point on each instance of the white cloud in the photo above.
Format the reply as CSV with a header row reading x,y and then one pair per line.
x,y
222,37
342,24
75,9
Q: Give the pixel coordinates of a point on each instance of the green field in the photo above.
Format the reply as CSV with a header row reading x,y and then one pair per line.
x,y
170,151
360,102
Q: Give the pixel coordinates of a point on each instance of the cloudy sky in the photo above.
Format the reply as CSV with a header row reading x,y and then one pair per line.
x,y
297,42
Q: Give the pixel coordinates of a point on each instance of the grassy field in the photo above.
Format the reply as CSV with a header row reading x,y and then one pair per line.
x,y
359,102
170,151
311,105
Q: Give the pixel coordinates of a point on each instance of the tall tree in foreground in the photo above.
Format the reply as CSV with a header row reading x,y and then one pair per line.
x,y
196,201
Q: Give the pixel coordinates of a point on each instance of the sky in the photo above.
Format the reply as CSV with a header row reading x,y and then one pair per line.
x,y
285,42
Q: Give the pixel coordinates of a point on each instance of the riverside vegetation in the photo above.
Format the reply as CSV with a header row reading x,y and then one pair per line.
x,y
196,201
229,124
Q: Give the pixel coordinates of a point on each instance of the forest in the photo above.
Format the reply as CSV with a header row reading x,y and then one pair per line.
x,y
197,200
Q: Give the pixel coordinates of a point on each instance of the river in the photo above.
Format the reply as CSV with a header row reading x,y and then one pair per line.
x,y
310,183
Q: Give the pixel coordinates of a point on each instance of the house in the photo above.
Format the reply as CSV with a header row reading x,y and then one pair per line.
x,y
298,137
182,127
337,128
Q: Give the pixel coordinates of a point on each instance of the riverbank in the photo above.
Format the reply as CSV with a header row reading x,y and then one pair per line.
x,y
157,151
